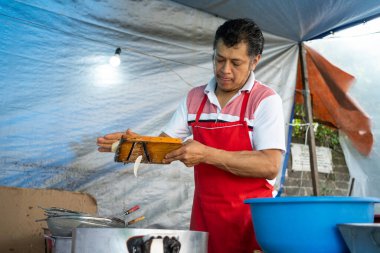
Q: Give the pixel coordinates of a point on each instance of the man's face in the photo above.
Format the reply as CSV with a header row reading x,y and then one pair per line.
x,y
232,66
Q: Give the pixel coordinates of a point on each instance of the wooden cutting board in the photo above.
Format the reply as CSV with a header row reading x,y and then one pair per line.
x,y
152,149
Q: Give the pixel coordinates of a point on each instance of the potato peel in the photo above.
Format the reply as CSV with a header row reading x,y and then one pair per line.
x,y
114,146
137,164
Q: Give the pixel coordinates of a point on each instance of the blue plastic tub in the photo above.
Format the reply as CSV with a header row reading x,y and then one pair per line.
x,y
307,224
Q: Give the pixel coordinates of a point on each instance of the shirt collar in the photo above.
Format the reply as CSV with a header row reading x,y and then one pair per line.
x,y
211,85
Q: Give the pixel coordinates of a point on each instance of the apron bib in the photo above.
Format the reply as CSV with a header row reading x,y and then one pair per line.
x,y
218,206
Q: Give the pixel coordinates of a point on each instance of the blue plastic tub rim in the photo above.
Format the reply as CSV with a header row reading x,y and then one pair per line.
x,y
312,199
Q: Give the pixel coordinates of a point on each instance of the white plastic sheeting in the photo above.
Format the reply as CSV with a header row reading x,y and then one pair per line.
x,y
358,55
58,93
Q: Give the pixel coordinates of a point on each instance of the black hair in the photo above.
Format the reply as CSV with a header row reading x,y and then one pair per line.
x,y
234,31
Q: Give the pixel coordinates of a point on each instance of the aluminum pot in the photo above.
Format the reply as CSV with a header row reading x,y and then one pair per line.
x,y
58,244
104,240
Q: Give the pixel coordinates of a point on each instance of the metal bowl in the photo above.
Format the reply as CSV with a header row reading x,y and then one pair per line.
x,y
63,225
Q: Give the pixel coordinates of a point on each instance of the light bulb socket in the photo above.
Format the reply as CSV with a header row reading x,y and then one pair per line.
x,y
118,51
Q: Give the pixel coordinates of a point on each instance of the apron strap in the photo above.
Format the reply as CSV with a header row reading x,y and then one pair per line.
x,y
242,110
244,106
200,110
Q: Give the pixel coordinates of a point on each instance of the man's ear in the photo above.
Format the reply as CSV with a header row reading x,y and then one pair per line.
x,y
213,55
255,61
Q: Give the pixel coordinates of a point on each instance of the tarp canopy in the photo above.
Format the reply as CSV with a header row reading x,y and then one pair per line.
x,y
58,92
298,20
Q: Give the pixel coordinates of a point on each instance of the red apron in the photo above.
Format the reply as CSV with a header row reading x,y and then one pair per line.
x,y
218,206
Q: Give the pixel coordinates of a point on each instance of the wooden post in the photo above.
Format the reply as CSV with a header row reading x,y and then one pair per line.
x,y
309,116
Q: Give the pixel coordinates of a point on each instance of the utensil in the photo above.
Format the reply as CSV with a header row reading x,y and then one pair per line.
x,y
135,220
152,149
132,209
57,211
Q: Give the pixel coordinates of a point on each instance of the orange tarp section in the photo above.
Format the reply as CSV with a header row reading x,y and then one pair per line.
x,y
331,103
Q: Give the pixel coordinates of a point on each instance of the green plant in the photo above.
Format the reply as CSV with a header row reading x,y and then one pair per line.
x,y
326,136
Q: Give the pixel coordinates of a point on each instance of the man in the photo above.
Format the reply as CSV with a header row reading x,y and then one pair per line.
x,y
238,139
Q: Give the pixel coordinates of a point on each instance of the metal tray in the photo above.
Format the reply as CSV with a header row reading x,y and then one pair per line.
x,y
361,237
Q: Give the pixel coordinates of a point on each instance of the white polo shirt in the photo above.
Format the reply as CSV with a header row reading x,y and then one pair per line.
x,y
264,114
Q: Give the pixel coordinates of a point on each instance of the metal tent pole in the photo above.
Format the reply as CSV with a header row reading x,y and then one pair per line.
x,y
309,116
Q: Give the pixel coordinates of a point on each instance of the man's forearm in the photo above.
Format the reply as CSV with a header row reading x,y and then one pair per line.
x,y
261,164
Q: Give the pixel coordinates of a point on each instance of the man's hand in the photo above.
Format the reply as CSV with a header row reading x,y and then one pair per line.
x,y
105,142
255,163
191,153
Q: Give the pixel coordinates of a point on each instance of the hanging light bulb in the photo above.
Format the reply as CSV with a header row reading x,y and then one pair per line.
x,y
115,59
